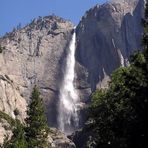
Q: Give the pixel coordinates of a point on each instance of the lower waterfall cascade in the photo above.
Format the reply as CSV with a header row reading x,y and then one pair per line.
x,y
68,118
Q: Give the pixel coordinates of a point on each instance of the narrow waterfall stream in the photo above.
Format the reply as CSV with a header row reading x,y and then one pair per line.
x,y
68,119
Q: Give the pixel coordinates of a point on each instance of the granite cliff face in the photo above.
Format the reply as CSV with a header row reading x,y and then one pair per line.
x,y
35,54
106,36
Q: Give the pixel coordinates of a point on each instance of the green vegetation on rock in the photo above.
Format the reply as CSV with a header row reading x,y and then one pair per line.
x,y
35,133
18,140
1,49
118,115
10,120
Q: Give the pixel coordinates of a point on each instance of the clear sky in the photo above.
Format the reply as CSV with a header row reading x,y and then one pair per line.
x,y
13,12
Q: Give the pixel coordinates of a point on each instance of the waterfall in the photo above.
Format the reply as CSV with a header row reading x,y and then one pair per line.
x,y
122,60
68,119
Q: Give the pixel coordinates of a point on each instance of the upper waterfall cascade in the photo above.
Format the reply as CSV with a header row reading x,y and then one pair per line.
x,y
68,119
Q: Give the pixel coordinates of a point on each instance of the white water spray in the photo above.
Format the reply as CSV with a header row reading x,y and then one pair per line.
x,y
68,119
121,58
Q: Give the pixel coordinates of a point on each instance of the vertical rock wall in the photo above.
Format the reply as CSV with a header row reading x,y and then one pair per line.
x,y
106,37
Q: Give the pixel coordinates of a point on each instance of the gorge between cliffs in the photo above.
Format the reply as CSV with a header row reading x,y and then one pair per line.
x,y
69,65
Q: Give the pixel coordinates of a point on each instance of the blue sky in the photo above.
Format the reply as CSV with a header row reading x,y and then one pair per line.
x,y
13,12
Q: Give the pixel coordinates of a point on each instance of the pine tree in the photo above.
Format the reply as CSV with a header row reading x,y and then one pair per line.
x,y
37,128
119,114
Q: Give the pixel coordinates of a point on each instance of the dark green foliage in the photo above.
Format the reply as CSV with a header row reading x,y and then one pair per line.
x,y
1,49
35,133
118,115
18,139
6,142
37,129
11,121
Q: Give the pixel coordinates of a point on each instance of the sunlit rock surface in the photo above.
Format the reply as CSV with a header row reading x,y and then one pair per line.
x,y
33,55
36,54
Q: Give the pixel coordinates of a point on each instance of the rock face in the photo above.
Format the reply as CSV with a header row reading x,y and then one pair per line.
x,y
5,130
59,140
11,101
34,55
106,36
